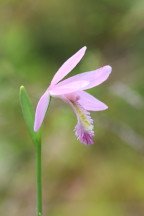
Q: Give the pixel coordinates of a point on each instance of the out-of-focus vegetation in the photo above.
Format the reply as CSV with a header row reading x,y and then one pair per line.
x,y
107,178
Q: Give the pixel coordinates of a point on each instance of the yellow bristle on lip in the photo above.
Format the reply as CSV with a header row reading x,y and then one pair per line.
x,y
82,116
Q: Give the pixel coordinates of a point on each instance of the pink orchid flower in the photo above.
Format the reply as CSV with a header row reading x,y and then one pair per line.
x,y
72,92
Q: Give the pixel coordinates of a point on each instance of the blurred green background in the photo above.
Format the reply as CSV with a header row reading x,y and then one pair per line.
x,y
107,178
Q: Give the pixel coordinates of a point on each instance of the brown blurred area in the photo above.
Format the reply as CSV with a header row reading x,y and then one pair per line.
x,y
107,178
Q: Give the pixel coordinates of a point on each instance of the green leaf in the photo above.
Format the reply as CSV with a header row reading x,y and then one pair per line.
x,y
29,115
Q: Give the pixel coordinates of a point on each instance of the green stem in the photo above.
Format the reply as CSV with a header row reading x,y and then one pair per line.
x,y
38,179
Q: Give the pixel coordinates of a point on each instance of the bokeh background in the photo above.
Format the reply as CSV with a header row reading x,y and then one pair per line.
x,y
107,178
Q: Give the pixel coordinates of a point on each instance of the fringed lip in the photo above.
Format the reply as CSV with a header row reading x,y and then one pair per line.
x,y
84,128
84,136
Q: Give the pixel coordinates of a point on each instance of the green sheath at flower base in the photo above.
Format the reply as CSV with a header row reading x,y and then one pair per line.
x,y
29,115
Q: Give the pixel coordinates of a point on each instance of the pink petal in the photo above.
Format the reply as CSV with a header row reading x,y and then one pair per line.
x,y
94,78
68,66
41,110
68,88
88,102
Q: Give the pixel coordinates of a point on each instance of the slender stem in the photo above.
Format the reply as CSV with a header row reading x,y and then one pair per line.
x,y
38,179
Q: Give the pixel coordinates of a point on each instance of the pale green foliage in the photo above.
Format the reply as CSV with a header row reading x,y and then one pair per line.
x,y
29,114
